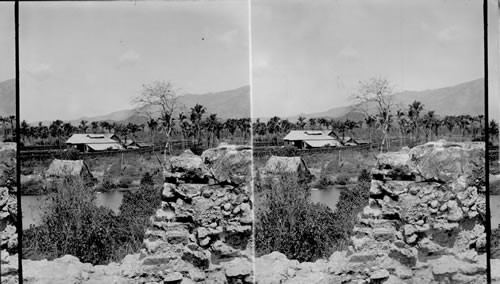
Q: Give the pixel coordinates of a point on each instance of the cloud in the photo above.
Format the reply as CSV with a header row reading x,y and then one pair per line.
x,y
447,34
229,37
349,53
130,57
40,71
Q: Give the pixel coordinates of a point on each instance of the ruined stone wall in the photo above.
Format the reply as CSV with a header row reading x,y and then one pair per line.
x,y
424,224
8,213
203,230
201,234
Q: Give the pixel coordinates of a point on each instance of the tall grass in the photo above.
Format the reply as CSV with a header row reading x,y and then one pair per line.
x,y
71,223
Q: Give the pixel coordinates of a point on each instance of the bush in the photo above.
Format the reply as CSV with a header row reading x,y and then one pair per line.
x,y
289,223
70,154
293,225
72,224
342,180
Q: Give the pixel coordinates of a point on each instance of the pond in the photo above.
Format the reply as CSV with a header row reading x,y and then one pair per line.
x,y
31,205
329,196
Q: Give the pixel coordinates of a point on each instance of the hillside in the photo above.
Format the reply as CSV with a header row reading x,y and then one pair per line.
x,y
8,97
226,104
465,98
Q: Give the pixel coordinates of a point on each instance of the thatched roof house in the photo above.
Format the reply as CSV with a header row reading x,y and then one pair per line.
x,y
61,168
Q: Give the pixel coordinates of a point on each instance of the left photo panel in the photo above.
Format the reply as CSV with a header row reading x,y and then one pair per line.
x,y
135,152
9,260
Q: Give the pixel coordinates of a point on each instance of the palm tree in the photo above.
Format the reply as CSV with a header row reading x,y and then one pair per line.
x,y
83,126
196,118
211,125
56,130
94,125
414,111
301,122
312,123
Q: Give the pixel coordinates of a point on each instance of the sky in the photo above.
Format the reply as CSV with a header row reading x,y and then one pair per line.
x,y
494,60
7,41
310,56
87,59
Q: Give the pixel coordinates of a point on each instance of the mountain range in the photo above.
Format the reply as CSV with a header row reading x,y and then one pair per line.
x,y
8,97
233,103
464,98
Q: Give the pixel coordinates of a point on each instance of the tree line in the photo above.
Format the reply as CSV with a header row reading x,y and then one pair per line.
x,y
196,125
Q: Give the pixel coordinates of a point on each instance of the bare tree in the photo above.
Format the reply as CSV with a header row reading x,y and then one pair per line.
x,y
161,97
375,96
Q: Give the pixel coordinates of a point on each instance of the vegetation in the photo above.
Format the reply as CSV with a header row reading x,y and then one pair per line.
x,y
73,224
7,128
289,223
195,126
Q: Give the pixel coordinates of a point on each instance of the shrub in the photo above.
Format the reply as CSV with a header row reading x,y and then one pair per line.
x,y
70,154
293,225
342,180
72,224
289,223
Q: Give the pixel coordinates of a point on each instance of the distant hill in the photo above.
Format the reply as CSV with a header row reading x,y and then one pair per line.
x,y
465,98
8,97
226,104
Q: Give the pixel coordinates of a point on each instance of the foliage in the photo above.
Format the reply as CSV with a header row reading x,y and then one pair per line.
x,y
342,180
289,223
73,224
70,154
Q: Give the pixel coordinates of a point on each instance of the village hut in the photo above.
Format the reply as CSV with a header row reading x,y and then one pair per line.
x,y
63,168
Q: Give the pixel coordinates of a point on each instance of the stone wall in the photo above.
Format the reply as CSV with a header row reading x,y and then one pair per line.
x,y
8,213
424,224
201,234
203,230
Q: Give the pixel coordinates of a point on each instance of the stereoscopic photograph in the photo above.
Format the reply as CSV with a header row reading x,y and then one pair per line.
x,y
9,242
250,141
135,142
369,141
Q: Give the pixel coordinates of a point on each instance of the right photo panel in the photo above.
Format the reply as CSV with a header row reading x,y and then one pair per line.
x,y
369,142
494,117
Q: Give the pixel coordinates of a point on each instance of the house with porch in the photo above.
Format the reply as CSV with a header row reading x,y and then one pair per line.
x,y
87,142
307,139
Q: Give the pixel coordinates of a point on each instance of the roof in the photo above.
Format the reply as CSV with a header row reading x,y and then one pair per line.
x,y
144,144
310,135
322,143
128,142
284,164
91,138
105,146
66,167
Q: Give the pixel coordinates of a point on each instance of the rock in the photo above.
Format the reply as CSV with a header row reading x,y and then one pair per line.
x,y
454,212
174,277
379,274
238,267
168,191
